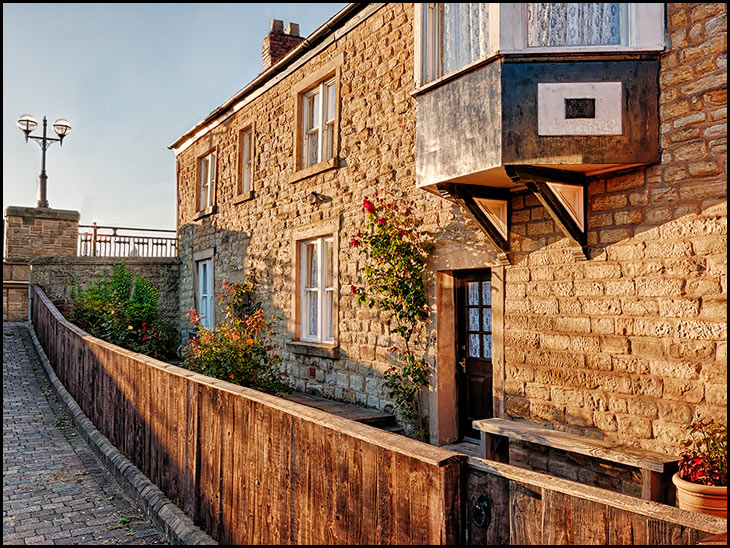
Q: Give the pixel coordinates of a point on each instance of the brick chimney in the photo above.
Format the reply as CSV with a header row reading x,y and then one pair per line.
x,y
278,43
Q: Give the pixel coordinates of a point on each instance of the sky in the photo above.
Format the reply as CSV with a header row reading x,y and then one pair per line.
x,y
130,79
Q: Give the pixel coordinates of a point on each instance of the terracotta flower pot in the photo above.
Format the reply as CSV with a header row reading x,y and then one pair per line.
x,y
707,499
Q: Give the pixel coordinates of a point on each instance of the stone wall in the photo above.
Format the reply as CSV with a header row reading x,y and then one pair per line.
x,y
632,344
32,232
15,291
58,275
376,151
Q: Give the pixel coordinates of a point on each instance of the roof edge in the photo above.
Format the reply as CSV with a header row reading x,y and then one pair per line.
x,y
317,36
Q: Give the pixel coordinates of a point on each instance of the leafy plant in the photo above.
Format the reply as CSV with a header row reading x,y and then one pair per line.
x,y
239,348
393,276
122,309
704,460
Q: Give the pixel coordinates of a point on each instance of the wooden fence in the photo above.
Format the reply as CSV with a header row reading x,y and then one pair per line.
x,y
510,505
250,468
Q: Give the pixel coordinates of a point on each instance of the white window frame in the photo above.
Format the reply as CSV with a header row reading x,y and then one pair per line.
x,y
642,29
322,292
206,180
324,128
205,293
247,158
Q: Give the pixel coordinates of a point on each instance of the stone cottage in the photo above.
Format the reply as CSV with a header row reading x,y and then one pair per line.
x,y
568,160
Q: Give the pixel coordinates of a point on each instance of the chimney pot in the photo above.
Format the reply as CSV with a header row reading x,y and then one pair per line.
x,y
292,29
277,26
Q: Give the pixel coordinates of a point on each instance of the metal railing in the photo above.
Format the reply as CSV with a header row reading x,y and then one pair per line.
x,y
114,241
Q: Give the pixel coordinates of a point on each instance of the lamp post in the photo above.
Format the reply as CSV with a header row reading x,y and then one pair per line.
x,y
27,125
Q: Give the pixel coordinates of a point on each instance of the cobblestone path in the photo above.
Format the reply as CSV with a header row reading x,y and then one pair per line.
x,y
55,491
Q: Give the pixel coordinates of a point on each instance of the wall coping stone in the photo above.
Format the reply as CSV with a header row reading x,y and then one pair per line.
x,y
43,213
105,260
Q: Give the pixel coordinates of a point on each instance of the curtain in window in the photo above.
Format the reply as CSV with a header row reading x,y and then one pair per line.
x,y
591,24
465,34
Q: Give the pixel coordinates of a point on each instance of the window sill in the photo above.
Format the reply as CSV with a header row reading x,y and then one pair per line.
x,y
205,213
316,350
245,197
332,163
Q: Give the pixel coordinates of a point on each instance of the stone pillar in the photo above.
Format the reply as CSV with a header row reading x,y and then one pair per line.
x,y
32,232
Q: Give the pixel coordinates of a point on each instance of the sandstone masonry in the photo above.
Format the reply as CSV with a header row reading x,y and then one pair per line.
x,y
628,345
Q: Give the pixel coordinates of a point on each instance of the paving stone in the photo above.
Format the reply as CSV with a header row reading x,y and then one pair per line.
x,y
55,491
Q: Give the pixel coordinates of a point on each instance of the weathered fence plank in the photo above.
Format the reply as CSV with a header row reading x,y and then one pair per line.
x,y
549,510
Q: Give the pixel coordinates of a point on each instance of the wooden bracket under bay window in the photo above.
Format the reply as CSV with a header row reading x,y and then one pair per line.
x,y
562,193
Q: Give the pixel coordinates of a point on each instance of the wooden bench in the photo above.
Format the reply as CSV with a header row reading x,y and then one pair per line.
x,y
656,468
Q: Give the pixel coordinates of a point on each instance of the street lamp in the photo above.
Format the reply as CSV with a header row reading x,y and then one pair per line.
x,y
27,125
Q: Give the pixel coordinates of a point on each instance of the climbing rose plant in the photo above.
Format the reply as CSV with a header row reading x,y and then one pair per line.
x,y
239,348
393,278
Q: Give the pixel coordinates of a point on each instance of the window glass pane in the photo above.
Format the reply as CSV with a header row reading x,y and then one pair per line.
x,y
246,174
328,254
203,278
487,319
473,293
487,293
487,346
329,136
465,34
310,262
474,346
312,315
330,102
311,149
573,24
312,111
473,319
329,324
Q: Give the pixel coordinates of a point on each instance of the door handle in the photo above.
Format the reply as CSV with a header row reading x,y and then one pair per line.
x,y
462,364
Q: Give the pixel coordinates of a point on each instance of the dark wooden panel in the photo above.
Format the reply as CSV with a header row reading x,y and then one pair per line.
x,y
525,514
557,523
627,528
493,490
590,526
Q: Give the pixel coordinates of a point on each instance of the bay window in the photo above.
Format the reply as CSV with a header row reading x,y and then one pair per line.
x,y
452,36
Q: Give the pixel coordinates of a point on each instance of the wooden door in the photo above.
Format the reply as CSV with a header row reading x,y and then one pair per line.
x,y
474,369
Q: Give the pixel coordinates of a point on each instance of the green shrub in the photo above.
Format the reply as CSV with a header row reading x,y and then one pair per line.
x,y
121,308
239,348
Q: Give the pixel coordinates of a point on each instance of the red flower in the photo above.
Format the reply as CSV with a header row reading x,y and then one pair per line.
x,y
231,375
354,289
368,205
380,221
354,242
144,338
144,323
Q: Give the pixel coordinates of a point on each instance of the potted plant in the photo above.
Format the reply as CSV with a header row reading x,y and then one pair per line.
x,y
702,477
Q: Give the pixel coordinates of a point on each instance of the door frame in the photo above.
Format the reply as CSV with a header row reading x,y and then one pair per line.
x,y
463,277
445,427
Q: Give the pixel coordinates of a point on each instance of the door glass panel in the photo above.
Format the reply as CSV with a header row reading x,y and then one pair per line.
x,y
487,319
487,293
473,292
487,346
473,319
474,346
